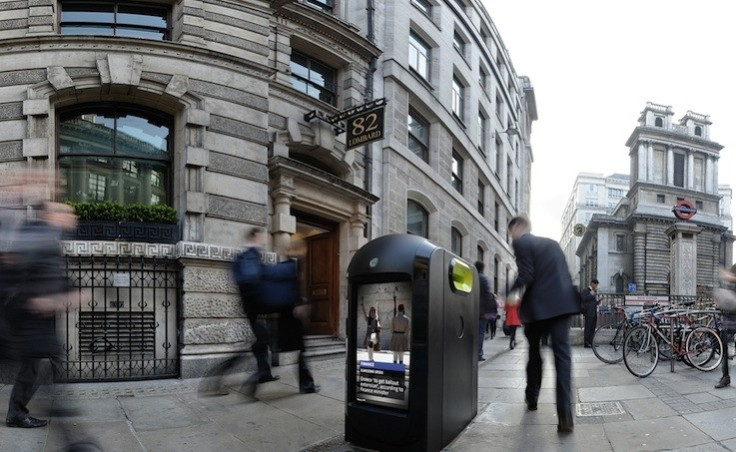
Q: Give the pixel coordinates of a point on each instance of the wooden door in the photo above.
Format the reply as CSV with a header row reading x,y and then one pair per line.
x,y
322,282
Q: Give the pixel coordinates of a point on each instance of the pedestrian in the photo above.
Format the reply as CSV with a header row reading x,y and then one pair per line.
x,y
547,302
293,320
512,321
36,287
493,321
248,272
728,321
590,303
372,341
399,335
487,309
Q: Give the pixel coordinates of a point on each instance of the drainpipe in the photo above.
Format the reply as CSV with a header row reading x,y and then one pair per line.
x,y
368,96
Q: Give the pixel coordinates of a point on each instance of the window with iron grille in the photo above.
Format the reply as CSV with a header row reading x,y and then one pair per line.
x,y
313,77
130,20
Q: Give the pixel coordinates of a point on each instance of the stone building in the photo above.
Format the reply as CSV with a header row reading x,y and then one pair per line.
x,y
225,110
591,193
641,241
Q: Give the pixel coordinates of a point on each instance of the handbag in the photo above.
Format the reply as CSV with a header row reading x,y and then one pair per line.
x,y
725,299
506,329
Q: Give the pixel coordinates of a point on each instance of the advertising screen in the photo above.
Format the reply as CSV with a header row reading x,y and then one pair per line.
x,y
383,344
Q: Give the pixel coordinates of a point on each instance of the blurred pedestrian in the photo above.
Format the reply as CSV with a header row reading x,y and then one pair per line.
x,y
728,320
36,287
487,309
590,303
399,335
548,301
512,321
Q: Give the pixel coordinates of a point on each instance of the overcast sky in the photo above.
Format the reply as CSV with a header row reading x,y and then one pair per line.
x,y
594,65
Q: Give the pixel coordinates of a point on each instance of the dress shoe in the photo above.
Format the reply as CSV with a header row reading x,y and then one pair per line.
x,y
725,381
565,425
588,346
531,405
267,378
25,422
480,358
310,389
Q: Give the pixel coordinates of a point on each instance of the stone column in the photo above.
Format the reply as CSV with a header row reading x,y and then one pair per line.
x,y
640,232
642,158
670,166
709,188
690,170
650,161
283,224
683,258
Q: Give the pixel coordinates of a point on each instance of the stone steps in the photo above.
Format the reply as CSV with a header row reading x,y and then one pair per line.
x,y
323,347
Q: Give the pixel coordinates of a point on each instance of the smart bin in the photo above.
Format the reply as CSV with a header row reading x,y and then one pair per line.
x,y
420,399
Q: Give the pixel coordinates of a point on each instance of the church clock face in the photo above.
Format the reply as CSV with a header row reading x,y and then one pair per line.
x,y
578,230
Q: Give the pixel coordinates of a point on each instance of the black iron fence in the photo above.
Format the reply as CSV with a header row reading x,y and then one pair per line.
x,y
122,325
608,301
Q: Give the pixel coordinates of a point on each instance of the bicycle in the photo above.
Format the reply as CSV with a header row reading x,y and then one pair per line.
x,y
608,339
695,346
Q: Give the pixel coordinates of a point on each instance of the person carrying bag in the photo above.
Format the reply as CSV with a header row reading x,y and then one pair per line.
x,y
726,302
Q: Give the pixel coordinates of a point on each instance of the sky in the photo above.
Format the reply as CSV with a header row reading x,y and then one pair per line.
x,y
595,64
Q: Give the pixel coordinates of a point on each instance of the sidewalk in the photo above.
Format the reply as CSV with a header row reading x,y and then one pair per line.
x,y
665,411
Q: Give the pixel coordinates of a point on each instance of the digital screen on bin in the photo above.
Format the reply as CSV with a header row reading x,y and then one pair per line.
x,y
383,344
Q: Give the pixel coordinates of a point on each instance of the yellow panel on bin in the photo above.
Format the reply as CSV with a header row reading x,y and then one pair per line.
x,y
462,276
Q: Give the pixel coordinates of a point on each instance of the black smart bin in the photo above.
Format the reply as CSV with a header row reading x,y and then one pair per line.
x,y
414,384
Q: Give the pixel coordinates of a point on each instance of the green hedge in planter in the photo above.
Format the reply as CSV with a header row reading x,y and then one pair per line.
x,y
112,211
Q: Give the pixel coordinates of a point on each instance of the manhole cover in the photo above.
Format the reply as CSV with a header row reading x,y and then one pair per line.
x,y
599,409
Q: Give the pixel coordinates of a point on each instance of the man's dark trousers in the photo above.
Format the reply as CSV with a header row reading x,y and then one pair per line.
x,y
23,389
559,330
591,318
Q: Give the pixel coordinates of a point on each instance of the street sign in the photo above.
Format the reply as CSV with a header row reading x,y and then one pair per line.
x,y
684,210
632,287
365,127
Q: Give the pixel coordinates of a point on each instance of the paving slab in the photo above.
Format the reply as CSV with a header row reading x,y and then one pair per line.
x,y
204,438
651,408
654,434
153,413
528,438
718,424
610,393
110,435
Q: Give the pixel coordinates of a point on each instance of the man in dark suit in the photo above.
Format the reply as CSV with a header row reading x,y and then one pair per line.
x,y
548,301
488,307
589,298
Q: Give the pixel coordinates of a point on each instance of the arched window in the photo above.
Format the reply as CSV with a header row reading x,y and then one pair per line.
x,y
698,131
456,242
114,153
417,219
658,122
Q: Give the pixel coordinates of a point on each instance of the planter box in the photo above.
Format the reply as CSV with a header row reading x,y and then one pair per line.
x,y
127,231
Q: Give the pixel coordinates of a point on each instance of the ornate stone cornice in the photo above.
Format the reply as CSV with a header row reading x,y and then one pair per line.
x,y
642,133
154,48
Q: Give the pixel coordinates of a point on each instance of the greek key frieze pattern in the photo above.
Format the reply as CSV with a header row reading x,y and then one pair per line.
x,y
191,250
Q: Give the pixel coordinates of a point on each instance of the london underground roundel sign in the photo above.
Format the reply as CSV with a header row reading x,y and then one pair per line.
x,y
684,210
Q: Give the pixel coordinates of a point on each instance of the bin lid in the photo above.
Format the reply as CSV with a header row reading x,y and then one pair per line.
x,y
393,253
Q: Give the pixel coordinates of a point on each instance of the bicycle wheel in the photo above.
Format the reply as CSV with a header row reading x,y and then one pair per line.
x,y
704,348
608,342
640,351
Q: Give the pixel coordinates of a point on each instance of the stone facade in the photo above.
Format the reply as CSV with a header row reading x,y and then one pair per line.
x,y
641,241
250,146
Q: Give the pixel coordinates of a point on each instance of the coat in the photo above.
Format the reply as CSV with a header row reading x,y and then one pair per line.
x,y
512,315
488,307
589,302
543,274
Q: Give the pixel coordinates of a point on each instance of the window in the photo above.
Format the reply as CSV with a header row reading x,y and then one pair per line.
x,y
660,199
698,131
115,153
658,122
496,214
419,54
499,106
499,157
482,130
591,203
516,193
457,172
456,242
481,254
509,175
620,244
482,79
458,43
130,20
615,193
457,98
418,135
496,265
481,197
592,189
417,219
423,6
313,77
679,170
699,205
324,5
